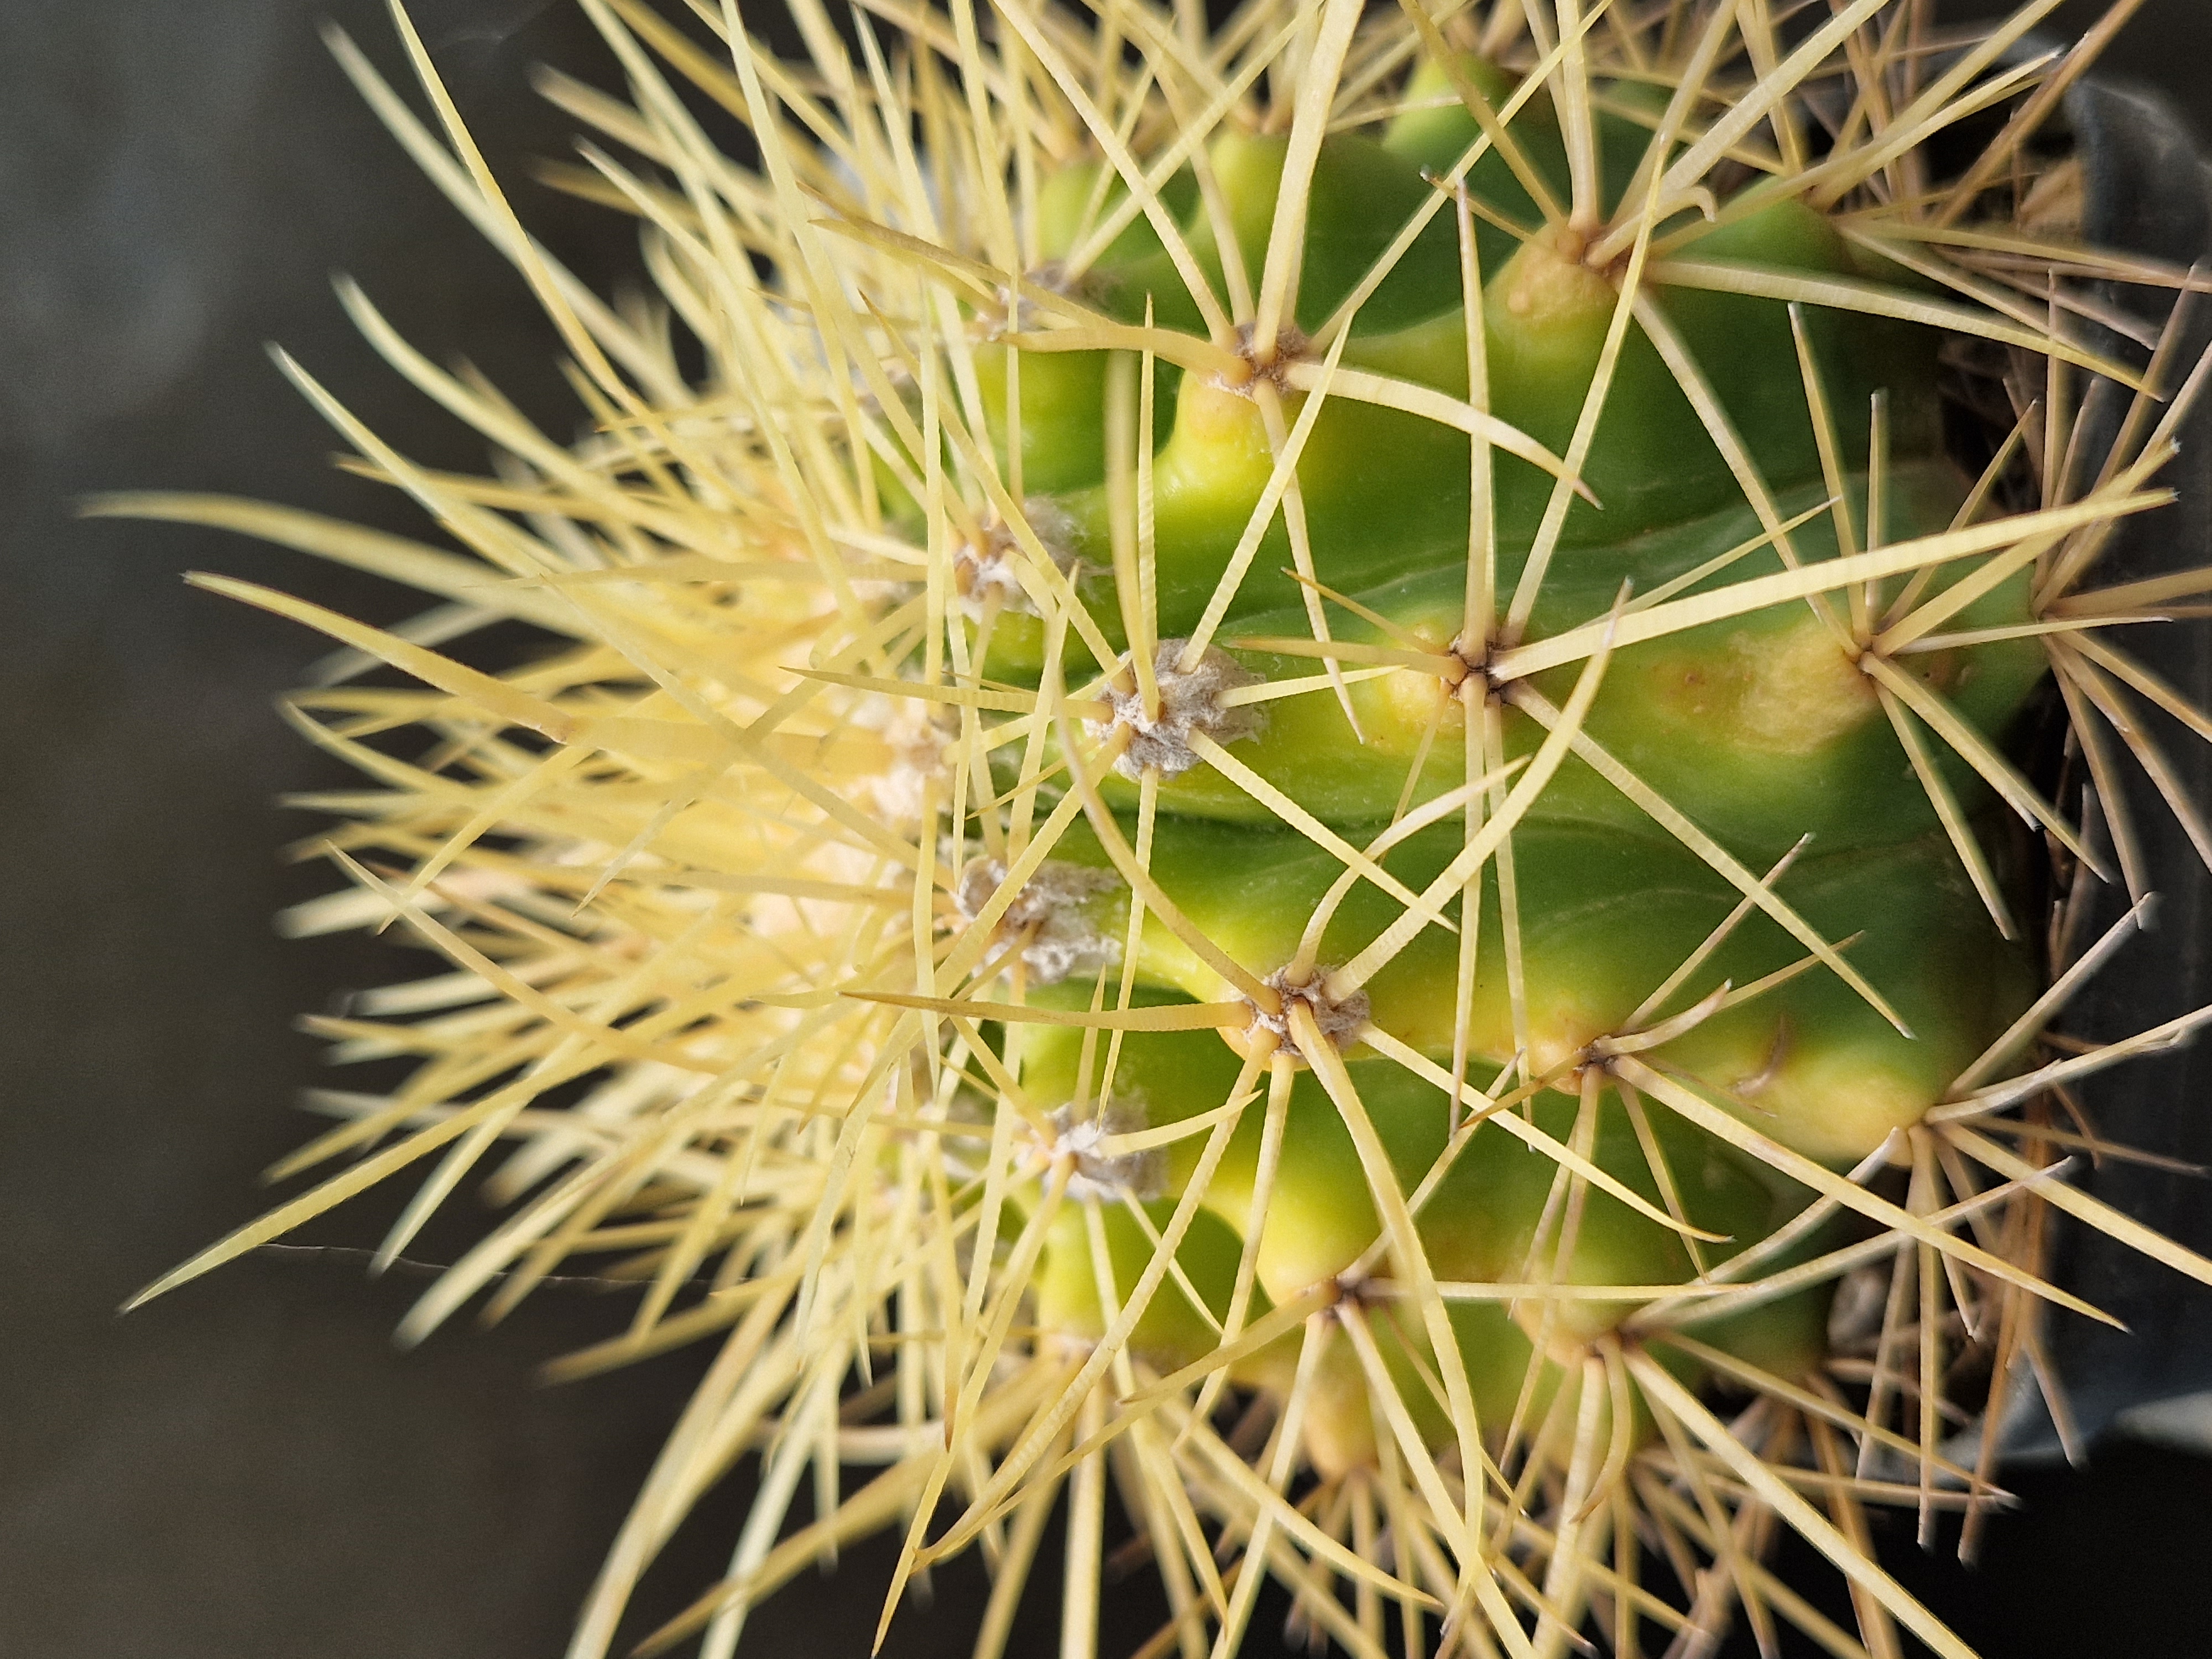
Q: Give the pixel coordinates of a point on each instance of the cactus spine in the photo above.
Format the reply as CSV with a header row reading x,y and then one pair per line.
x,y
1289,790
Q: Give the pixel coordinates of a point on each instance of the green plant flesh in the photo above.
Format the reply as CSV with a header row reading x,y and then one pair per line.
x,y
1299,787
1762,728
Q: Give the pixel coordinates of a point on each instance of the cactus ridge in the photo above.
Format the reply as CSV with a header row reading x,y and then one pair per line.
x,y
1294,789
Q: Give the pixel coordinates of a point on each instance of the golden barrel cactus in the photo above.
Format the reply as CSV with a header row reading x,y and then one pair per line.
x,y
1278,768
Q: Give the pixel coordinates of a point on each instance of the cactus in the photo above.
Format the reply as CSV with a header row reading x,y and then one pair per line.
x,y
1295,786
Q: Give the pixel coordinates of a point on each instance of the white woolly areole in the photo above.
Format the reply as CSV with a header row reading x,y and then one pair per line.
x,y
1101,1175
1339,1018
1063,940
1189,702
911,730
988,567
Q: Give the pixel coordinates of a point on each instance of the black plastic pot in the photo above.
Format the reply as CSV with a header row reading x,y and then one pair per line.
x,y
2149,191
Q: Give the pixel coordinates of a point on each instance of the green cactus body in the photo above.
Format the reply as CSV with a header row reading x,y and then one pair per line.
x,y
1760,727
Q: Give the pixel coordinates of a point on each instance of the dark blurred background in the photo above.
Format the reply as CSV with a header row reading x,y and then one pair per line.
x,y
247,1468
